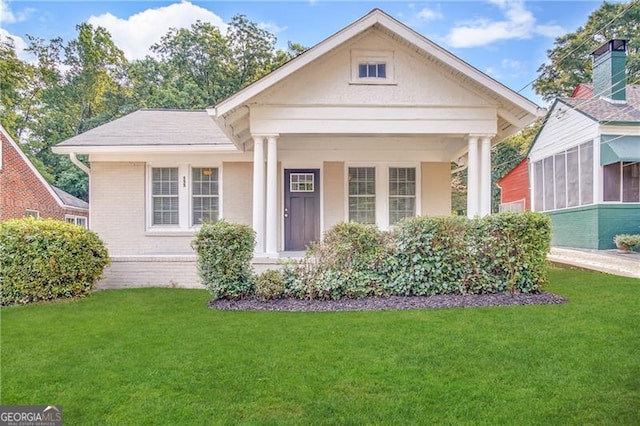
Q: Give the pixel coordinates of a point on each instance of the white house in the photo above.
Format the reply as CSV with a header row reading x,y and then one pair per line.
x,y
364,127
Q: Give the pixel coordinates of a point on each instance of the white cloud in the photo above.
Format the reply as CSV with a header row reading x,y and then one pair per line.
x,y
427,14
136,34
7,16
272,27
519,23
18,43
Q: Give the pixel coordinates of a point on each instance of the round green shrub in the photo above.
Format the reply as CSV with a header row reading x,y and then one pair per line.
x,y
48,259
224,252
269,285
626,241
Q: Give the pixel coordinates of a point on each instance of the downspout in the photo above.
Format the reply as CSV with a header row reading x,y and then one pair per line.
x,y
79,164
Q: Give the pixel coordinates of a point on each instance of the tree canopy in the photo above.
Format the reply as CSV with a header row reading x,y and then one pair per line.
x,y
77,85
569,61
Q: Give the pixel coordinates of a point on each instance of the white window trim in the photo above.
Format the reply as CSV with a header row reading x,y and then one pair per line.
x,y
382,189
359,56
75,220
185,199
34,213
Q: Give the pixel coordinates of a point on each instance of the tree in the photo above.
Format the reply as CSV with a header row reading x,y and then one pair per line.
x,y
80,85
193,70
570,63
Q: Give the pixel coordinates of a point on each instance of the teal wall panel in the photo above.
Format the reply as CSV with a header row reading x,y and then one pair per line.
x,y
576,227
593,227
616,219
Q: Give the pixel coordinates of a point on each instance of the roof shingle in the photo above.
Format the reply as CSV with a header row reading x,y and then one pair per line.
x,y
154,128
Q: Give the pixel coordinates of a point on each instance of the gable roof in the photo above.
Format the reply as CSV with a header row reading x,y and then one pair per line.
x,y
377,18
525,160
151,128
62,198
603,111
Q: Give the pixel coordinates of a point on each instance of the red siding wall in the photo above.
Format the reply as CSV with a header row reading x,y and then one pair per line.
x,y
21,189
515,185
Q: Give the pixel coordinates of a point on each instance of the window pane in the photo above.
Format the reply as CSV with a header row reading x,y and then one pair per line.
x,y
164,192
573,198
561,181
631,182
548,183
538,179
586,173
372,70
611,178
362,70
382,70
362,200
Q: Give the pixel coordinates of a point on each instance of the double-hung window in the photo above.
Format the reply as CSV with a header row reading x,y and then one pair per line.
x,y
205,202
362,194
183,196
402,193
164,194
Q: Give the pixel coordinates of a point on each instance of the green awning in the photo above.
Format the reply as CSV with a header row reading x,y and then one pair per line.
x,y
619,148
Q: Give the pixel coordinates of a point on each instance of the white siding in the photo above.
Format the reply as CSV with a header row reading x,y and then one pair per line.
x,y
564,129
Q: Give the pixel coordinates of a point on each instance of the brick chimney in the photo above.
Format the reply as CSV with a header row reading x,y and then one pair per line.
x,y
609,70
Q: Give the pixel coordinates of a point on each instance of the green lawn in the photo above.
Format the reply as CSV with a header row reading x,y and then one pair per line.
x,y
159,356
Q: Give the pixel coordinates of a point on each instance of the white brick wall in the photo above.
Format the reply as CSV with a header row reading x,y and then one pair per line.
x,y
175,271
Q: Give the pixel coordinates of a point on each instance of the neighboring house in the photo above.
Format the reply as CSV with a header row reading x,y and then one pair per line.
x,y
362,127
24,192
585,161
514,189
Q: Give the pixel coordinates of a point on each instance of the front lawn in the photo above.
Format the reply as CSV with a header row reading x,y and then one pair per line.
x,y
159,356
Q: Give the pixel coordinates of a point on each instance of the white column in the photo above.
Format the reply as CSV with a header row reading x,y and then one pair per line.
x,y
472,177
258,193
485,176
272,197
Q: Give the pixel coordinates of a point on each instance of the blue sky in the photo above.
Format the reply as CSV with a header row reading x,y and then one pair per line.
x,y
506,39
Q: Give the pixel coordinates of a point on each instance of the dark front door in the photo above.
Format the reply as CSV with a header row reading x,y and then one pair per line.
x,y
301,208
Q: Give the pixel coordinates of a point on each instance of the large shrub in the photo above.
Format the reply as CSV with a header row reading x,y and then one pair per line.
x,y
224,252
456,255
348,262
48,259
513,253
432,256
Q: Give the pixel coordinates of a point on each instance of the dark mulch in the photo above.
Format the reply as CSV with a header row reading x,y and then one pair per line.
x,y
388,303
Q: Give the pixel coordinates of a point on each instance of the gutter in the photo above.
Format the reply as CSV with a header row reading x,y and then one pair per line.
x,y
79,164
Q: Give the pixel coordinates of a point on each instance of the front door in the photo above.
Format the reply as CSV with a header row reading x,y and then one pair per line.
x,y
301,208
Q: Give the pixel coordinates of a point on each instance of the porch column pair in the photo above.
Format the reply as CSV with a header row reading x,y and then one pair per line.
x,y
265,195
479,176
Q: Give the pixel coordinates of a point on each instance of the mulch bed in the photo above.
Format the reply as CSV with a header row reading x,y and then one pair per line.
x,y
388,303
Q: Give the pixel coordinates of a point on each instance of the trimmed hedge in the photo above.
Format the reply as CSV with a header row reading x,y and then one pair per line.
x,y
426,256
349,262
224,252
48,259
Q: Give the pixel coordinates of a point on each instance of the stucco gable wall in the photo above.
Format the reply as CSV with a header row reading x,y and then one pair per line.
x,y
564,129
326,81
